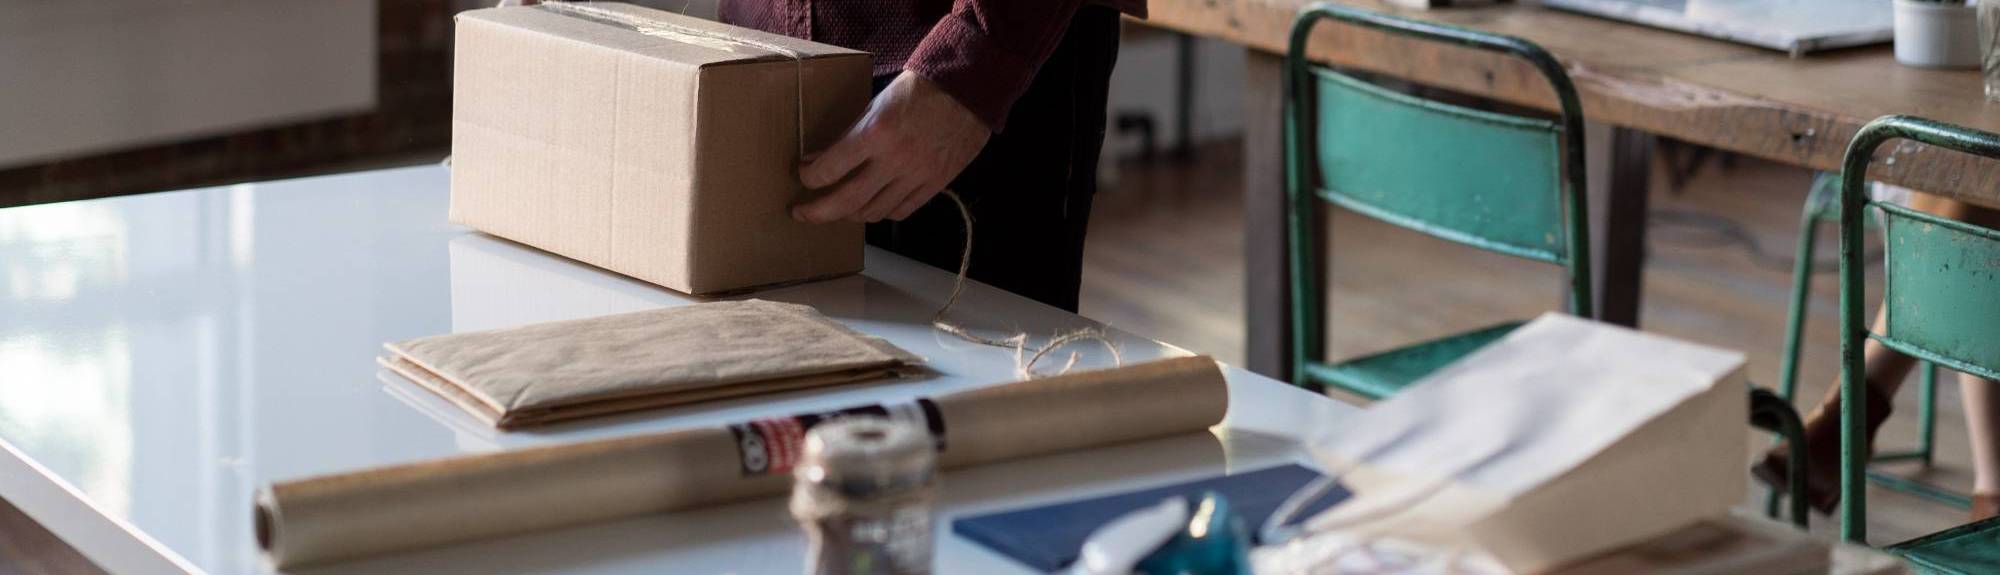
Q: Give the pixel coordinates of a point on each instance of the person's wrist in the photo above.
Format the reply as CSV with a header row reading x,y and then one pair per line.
x,y
981,74
935,95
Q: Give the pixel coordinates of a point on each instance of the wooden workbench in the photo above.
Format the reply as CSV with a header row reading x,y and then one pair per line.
x,y
1643,81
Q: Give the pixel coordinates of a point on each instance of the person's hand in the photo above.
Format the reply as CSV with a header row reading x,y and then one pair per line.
x,y
914,139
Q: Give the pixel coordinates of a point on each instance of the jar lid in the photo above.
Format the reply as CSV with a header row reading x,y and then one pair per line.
x,y
867,456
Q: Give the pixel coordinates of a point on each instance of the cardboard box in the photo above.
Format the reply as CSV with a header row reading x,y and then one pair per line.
x,y
655,145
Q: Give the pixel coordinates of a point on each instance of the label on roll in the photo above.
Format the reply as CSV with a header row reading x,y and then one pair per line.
x,y
775,445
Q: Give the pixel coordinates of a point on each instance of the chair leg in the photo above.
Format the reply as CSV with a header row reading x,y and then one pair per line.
x,y
1817,204
1795,321
1927,412
1853,449
1768,411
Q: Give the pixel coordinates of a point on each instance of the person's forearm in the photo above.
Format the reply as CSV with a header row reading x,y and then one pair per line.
x,y
985,53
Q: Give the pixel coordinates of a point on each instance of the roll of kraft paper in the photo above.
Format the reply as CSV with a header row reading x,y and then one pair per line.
x,y
370,512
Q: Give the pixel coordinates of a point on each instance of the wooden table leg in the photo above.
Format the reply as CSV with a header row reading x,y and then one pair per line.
x,y
1621,256
1267,309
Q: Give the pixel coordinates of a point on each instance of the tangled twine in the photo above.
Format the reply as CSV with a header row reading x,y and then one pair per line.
x,y
1024,362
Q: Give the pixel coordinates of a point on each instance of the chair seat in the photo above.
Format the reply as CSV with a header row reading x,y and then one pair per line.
x,y
1969,548
1379,375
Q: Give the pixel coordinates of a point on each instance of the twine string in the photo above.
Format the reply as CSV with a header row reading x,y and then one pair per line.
x,y
1024,359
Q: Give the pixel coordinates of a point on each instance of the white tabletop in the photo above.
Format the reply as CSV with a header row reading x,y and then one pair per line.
x,y
162,356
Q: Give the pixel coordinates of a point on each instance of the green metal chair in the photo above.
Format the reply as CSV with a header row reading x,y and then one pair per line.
x,y
1823,206
1942,297
1508,184
1488,180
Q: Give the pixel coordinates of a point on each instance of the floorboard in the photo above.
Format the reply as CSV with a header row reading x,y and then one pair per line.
x,y
28,549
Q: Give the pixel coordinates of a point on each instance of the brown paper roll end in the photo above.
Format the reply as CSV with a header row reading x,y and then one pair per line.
x,y
265,521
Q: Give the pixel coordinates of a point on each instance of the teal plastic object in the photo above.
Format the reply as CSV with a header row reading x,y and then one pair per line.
x,y
1503,183
1935,299
1971,549
1215,542
1487,180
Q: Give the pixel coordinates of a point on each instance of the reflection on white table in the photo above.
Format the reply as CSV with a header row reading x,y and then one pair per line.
x,y
166,354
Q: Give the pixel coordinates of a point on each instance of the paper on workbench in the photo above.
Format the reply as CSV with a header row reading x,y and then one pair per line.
x,y
1565,438
569,369
366,512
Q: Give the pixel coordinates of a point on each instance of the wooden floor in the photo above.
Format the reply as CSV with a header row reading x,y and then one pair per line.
x,y
1165,260
27,549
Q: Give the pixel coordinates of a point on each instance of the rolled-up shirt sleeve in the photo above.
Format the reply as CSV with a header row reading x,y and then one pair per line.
x,y
985,53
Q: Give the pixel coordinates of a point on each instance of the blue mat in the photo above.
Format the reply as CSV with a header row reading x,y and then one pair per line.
x,y
1047,538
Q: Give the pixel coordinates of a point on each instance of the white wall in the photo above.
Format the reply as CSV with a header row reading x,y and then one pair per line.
x,y
1145,81
89,77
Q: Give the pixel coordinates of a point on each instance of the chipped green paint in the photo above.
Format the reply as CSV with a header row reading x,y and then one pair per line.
x,y
1507,184
1964,550
1940,291
1488,180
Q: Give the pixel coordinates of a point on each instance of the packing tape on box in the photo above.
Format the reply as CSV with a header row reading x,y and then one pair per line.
x,y
695,36
375,511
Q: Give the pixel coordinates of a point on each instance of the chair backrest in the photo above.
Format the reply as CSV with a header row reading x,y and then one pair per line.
x,y
1504,183
1941,290
1941,283
1488,180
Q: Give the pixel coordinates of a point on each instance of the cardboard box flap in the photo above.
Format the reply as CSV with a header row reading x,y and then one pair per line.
x,y
657,33
804,48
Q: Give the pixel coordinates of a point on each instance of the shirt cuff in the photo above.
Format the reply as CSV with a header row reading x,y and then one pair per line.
x,y
983,76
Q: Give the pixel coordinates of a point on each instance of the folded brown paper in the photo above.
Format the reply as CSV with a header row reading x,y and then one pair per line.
x,y
376,511
569,369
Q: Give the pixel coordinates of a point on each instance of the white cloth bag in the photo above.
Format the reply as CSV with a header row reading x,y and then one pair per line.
x,y
1564,439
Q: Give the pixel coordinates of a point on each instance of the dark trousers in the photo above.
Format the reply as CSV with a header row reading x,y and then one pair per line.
x,y
1030,188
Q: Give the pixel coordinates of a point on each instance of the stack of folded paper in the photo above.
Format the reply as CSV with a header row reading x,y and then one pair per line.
x,y
565,370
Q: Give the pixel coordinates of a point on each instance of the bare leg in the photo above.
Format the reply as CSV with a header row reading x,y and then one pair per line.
x,y
1981,396
1982,407
1886,370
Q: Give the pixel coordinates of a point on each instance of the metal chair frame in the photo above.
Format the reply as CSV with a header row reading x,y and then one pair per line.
x,y
1302,193
1768,411
1854,331
1822,205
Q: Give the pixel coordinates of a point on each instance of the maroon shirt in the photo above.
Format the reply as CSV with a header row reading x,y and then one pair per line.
x,y
982,52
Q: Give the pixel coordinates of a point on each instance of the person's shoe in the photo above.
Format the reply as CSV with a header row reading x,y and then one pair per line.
x,y
1822,434
1985,506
